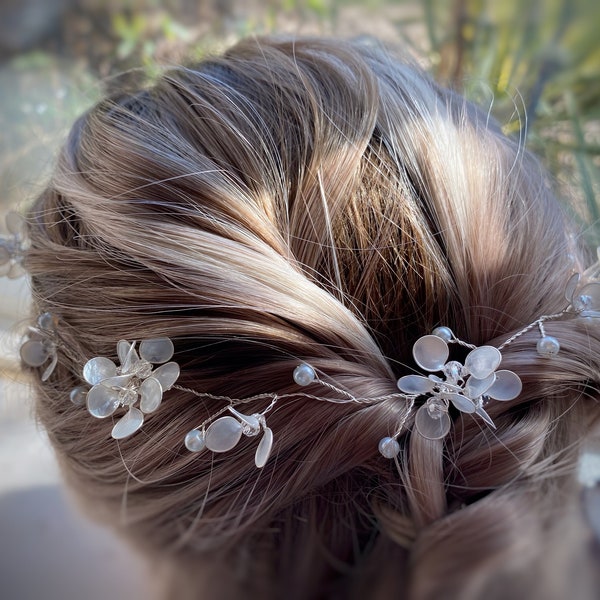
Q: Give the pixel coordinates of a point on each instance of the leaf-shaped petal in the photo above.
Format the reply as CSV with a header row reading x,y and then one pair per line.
x,y
99,368
461,402
507,386
414,385
264,449
150,394
34,353
223,434
50,368
571,286
481,412
432,427
431,352
128,357
128,424
102,401
477,387
157,351
167,375
483,361
252,424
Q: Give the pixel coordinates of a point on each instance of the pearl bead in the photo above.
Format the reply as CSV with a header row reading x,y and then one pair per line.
x,y
548,346
389,447
304,374
443,332
194,441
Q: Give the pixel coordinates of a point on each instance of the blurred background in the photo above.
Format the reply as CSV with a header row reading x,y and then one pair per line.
x,y
535,64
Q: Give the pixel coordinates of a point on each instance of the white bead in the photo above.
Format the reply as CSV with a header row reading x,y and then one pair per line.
x,y
389,447
443,332
194,441
304,374
548,346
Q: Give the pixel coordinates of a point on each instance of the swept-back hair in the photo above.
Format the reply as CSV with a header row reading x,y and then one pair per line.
x,y
318,201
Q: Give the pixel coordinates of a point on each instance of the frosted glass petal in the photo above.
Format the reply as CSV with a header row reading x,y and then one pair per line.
x,y
34,353
415,385
128,424
15,223
151,395
223,434
102,401
128,357
99,368
461,402
117,382
431,352
571,287
481,412
430,427
50,368
157,351
477,387
167,375
264,449
483,361
506,387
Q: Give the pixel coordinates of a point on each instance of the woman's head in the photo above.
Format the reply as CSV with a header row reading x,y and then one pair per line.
x,y
325,202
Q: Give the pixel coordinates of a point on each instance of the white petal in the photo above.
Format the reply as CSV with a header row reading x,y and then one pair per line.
x,y
167,375
461,402
102,401
128,424
483,361
506,387
157,351
127,355
99,368
151,395
415,385
264,449
477,387
431,352
50,368
485,417
223,434
34,353
432,428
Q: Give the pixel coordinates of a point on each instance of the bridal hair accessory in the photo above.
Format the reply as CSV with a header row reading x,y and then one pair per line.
x,y
40,345
13,246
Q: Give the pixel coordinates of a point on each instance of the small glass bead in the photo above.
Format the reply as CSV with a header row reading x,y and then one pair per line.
x,y
389,447
304,374
548,346
194,441
78,395
443,332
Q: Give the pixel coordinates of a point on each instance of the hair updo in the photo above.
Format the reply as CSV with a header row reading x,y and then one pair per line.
x,y
326,202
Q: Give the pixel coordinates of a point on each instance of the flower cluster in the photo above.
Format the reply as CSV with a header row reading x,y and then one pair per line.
x,y
466,386
13,247
134,380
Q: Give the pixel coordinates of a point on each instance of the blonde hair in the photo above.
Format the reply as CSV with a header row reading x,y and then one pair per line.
x,y
318,201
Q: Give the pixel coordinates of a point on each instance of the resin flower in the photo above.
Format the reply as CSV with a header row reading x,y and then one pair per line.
x,y
467,387
13,246
224,434
583,292
40,346
135,380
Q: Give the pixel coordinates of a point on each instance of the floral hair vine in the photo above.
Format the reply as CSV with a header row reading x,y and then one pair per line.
x,y
143,375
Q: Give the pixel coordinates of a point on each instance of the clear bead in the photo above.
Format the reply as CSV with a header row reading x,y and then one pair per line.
x,y
548,346
194,441
389,447
453,370
304,374
78,395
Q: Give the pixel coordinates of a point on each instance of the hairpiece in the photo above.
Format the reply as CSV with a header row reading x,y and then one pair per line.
x,y
138,385
14,246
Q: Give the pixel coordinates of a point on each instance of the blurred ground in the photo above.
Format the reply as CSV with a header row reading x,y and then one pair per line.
x,y
56,58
